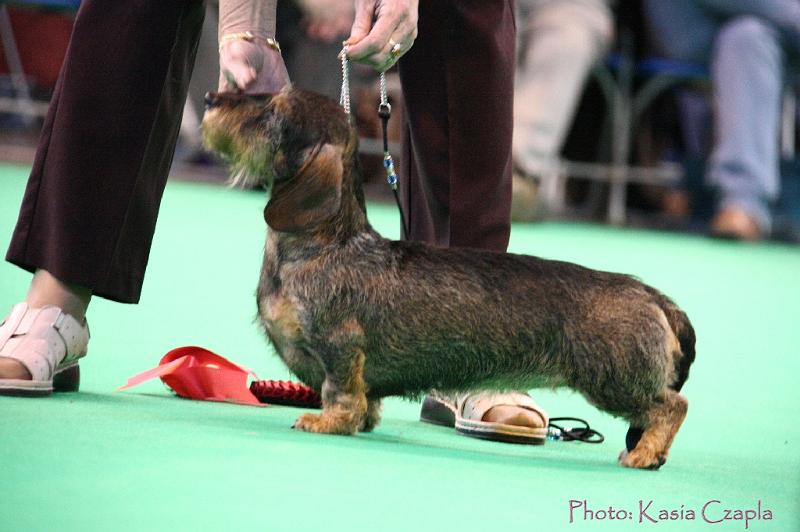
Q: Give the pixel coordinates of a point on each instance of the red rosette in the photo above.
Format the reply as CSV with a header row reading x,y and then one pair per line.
x,y
285,393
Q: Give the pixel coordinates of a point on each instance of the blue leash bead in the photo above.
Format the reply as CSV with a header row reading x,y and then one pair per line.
x,y
391,176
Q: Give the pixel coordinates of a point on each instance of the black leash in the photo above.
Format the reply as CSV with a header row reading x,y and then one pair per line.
x,y
583,433
385,112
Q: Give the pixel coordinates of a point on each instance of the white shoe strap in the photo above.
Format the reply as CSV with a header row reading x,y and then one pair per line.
x,y
42,339
10,324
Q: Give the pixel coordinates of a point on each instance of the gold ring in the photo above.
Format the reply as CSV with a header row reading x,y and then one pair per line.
x,y
396,49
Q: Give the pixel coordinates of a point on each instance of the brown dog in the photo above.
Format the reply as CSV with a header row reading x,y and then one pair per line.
x,y
359,317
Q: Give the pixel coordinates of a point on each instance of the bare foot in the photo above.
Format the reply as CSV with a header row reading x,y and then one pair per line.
x,y
13,369
514,415
46,290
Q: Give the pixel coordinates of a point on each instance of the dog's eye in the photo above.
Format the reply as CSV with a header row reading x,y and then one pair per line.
x,y
280,164
259,98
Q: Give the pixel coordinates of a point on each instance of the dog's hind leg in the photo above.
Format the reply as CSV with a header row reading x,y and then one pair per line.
x,y
649,439
344,400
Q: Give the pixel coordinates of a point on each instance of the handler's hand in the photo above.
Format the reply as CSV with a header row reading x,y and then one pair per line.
x,y
251,67
383,30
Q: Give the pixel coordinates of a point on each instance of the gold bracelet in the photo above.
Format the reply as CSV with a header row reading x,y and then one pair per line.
x,y
249,37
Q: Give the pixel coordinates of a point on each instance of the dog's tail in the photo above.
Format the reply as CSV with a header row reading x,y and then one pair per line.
x,y
682,327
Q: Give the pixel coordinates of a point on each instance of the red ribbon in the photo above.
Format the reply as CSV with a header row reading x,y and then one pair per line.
x,y
197,373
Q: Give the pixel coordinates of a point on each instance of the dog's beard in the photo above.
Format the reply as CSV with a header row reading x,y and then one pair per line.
x,y
250,168
241,179
247,160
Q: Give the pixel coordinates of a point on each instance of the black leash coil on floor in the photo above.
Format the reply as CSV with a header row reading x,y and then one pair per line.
x,y
584,433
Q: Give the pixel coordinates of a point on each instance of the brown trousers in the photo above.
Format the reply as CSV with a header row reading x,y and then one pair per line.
x,y
458,87
90,207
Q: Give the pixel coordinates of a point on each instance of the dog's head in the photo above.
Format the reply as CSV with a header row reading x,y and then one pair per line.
x,y
298,142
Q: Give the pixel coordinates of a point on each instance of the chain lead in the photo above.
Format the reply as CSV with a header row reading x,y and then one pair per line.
x,y
344,99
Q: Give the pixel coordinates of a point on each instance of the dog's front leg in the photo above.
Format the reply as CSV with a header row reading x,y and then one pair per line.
x,y
344,399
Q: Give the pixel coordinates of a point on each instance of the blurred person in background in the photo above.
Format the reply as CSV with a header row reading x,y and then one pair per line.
x,y
748,45
560,41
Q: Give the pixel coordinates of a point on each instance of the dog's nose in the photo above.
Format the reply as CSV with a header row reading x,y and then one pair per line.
x,y
212,99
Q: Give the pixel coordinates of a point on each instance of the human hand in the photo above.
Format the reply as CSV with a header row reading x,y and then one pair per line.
x,y
383,30
251,67
327,20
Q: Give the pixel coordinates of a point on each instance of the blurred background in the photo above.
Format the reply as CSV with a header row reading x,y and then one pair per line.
x,y
617,121
611,125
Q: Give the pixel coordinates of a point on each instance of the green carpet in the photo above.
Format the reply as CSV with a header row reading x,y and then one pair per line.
x,y
145,460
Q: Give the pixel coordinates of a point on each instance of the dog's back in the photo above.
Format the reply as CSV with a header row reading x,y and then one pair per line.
x,y
451,318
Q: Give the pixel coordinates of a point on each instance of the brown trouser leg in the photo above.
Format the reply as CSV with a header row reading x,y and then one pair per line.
x,y
90,208
458,86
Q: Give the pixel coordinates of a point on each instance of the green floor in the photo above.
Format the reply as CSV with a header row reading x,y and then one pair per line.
x,y
145,460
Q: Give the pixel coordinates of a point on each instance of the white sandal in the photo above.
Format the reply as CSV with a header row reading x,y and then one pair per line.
x,y
49,343
465,412
471,408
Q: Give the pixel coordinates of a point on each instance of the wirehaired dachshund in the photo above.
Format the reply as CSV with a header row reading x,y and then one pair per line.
x,y
359,317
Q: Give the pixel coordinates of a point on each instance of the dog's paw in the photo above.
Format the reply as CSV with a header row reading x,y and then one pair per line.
x,y
372,417
325,424
368,424
641,459
309,423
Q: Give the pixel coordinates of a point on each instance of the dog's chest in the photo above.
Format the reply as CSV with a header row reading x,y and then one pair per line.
x,y
281,318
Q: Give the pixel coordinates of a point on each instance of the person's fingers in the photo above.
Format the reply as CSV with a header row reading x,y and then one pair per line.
x,y
271,79
362,21
245,78
238,63
229,81
372,49
251,67
392,51
402,40
392,35
239,76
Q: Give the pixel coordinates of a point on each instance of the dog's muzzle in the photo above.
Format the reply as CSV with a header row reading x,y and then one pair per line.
x,y
217,99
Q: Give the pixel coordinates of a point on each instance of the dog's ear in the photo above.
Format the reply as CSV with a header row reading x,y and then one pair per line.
x,y
312,195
